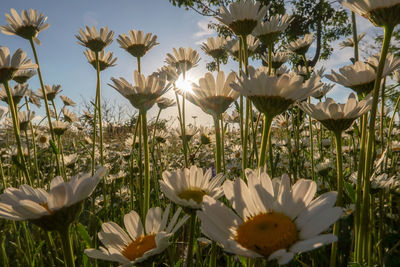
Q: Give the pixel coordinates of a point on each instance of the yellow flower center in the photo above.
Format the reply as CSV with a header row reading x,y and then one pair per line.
x,y
44,205
266,233
141,245
196,194
43,139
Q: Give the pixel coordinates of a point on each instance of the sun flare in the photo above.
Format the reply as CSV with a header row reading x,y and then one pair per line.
x,y
185,84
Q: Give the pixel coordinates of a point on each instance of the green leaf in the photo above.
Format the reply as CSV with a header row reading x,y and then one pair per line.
x,y
54,147
83,233
350,191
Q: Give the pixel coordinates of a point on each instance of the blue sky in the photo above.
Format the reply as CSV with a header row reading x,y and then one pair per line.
x,y
62,60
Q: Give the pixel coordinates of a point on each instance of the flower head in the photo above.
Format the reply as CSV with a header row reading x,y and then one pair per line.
x,y
349,42
337,117
272,95
50,210
268,31
69,116
60,127
27,26
301,45
359,76
323,91
187,187
234,46
19,91
392,62
164,103
9,66
22,76
137,44
379,12
67,101
214,96
215,47
242,16
51,91
183,59
105,60
278,59
24,118
146,91
140,242
272,219
94,40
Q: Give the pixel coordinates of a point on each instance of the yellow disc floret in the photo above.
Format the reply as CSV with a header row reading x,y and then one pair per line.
x,y
137,248
193,193
267,232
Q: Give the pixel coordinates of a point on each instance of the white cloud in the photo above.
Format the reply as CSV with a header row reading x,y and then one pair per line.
x,y
203,32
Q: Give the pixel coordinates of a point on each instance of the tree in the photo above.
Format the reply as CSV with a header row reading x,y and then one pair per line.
x,y
327,19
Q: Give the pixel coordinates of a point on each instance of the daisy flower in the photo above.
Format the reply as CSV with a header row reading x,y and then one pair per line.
x,y
359,76
187,187
349,42
67,101
268,31
60,127
22,76
24,118
10,65
51,91
146,91
337,117
379,12
183,59
94,40
105,60
19,91
140,243
27,26
271,219
214,96
215,47
272,95
242,16
234,46
301,45
49,210
137,43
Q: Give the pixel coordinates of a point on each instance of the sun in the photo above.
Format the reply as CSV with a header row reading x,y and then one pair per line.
x,y
185,84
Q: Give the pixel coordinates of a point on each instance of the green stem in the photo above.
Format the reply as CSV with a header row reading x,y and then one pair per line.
x,y
59,145
67,248
388,30
355,38
16,131
248,106
33,141
46,102
146,163
218,154
189,257
340,182
310,124
360,173
223,143
154,130
264,140
98,103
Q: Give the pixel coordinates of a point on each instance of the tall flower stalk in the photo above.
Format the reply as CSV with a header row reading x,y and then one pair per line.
x,y
17,134
46,102
365,215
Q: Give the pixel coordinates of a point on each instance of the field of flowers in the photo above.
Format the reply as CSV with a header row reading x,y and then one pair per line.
x,y
285,176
